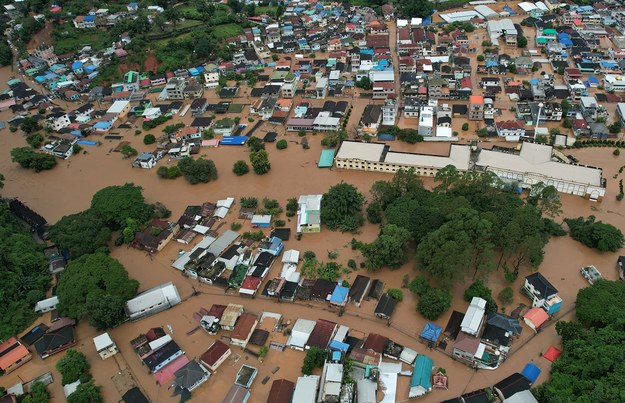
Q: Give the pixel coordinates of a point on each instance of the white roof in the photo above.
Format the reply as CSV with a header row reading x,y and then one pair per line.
x,y
416,21
485,11
542,6
388,384
473,318
201,229
161,341
152,111
312,202
498,26
460,16
220,212
334,373
341,333
49,303
536,159
442,131
524,396
408,355
227,202
222,243
402,23
290,256
459,156
118,106
306,389
70,388
152,297
301,332
102,341
261,219
527,6
289,272
360,151
365,390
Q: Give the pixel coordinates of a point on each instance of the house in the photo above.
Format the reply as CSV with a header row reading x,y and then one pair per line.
x,y
191,376
216,354
300,333
145,160
105,346
510,129
510,386
306,389
120,109
309,214
237,394
55,341
243,329
381,90
152,301
225,127
468,348
476,107
421,380
175,88
13,354
202,124
281,391
131,81
359,289
474,317
47,305
199,106
371,119
535,317
614,83
321,334
390,109
159,357
542,293
230,316
385,307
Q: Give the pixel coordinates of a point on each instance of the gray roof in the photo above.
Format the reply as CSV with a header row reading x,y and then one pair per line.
x,y
188,376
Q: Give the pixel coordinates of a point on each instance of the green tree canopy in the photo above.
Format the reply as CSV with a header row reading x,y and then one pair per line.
x,y
341,208
479,289
25,275
415,8
114,204
240,168
315,358
80,234
546,199
596,234
96,287
601,304
30,159
74,366
38,394
433,303
260,162
201,170
86,392
389,248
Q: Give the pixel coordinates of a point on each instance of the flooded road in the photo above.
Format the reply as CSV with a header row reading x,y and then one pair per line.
x,y
69,187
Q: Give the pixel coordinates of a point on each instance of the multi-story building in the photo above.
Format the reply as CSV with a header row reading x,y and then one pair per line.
x,y
476,107
390,110
426,121
615,83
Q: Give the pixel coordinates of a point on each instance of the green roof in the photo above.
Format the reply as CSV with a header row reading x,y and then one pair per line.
x,y
541,40
235,108
550,32
326,159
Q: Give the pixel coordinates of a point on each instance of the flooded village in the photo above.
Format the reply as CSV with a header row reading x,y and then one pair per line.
x,y
227,306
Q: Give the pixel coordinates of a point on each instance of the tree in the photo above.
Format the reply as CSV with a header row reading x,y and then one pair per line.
x,y
114,204
506,296
281,144
465,127
255,144
566,123
479,289
29,125
480,58
595,234
616,127
34,140
240,168
74,366
95,286
201,170
521,41
149,139
86,392
405,181
2,178
28,158
419,285
334,138
315,358
6,55
416,8
341,208
260,162
364,83
128,151
168,172
546,199
389,248
433,303
599,305
374,213
541,139
38,394
80,234
396,294
410,136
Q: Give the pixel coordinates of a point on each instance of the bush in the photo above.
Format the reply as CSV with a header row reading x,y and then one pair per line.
x,y
240,168
351,263
465,127
616,152
480,58
315,358
506,296
168,172
479,289
74,366
127,151
419,285
281,144
28,158
434,302
396,294
201,170
149,139
249,202
279,223
34,140
235,226
374,213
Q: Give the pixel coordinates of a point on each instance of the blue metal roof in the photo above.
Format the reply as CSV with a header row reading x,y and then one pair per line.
x,y
531,372
337,345
431,332
339,295
89,18
422,374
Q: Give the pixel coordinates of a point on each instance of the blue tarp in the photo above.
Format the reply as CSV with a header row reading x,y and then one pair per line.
x,y
89,18
77,65
427,21
531,372
339,346
87,143
431,332
386,137
593,79
233,140
339,296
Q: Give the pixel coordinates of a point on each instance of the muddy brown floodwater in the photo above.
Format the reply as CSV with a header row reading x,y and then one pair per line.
x,y
69,187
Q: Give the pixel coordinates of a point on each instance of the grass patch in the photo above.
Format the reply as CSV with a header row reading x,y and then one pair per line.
x,y
70,39
228,30
269,10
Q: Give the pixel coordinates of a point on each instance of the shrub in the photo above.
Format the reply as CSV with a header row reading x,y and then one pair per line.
x,y
149,139
168,172
434,302
616,152
34,140
240,168
351,263
235,226
396,294
281,144
506,296
419,285
465,127
279,223
249,202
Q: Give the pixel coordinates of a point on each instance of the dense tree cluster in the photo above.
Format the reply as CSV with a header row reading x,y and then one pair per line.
x,y
592,363
38,394
114,204
596,234
81,233
25,275
315,358
341,208
415,8
96,287
31,159
199,170
73,367
260,162
479,289
388,249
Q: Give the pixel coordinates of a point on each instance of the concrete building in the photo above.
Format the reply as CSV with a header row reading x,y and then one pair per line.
x,y
502,28
426,121
390,110
614,83
105,346
476,107
152,301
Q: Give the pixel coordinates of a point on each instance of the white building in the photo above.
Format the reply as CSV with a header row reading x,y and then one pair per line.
x,y
306,389
426,121
615,83
389,111
504,27
309,213
474,318
152,301
105,346
47,305
299,336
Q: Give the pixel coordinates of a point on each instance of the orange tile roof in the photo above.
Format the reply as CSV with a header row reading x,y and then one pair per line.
x,y
10,357
537,316
476,99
